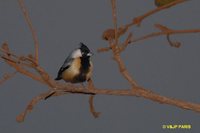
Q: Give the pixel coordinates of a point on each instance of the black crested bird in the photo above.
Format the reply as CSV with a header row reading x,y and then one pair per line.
x,y
77,67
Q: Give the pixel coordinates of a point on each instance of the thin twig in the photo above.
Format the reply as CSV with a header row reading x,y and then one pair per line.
x,y
7,58
106,49
155,34
127,41
46,78
20,58
111,33
6,52
124,71
30,25
116,50
17,61
139,19
32,103
92,109
114,14
7,76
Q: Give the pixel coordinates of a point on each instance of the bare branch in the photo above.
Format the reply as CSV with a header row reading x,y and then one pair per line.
x,y
34,35
139,19
10,61
69,88
106,49
170,32
32,103
124,71
7,76
110,33
115,49
155,34
127,41
92,109
139,92
114,14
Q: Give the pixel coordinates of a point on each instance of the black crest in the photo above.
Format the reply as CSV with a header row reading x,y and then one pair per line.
x,y
84,48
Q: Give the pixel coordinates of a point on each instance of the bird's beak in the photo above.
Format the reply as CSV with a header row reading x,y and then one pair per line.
x,y
90,54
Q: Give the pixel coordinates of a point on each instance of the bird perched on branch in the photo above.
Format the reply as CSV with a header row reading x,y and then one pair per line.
x,y
77,67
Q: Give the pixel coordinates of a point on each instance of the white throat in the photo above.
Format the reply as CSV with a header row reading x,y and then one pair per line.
x,y
76,53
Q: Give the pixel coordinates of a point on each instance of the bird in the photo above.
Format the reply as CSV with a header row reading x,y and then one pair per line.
x,y
78,67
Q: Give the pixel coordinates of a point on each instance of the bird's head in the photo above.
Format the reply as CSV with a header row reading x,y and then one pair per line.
x,y
82,51
85,52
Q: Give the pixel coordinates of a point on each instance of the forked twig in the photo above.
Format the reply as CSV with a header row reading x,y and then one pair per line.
x,y
116,50
155,34
34,101
29,108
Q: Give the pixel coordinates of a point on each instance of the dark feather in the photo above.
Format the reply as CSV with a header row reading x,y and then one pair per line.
x,y
62,69
65,66
84,69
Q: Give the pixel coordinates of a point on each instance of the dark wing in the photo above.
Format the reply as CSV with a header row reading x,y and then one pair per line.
x,y
65,66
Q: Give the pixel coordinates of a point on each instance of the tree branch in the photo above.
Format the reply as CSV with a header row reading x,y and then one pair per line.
x,y
138,20
7,76
32,103
155,34
63,88
92,109
111,33
171,32
34,35
116,50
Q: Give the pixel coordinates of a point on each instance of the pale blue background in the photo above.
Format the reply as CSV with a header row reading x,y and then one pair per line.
x,y
61,25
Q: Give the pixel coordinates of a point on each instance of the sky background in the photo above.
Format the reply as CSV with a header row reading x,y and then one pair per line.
x,y
60,26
